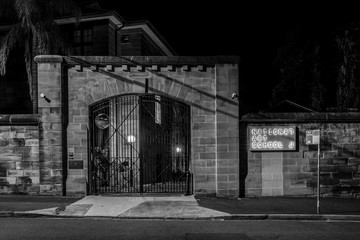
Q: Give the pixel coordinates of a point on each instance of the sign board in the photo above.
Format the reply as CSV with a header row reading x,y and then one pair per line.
x,y
272,138
312,137
71,153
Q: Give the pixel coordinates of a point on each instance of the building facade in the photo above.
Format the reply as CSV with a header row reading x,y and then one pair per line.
x,y
279,157
125,115
138,125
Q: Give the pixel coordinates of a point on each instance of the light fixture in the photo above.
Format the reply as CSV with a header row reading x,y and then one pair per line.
x,y
234,96
131,139
178,149
44,97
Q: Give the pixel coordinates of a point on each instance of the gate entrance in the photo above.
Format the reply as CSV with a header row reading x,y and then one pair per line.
x,y
140,144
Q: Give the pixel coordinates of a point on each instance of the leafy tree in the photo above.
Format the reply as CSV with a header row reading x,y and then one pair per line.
x,y
348,83
321,72
298,61
33,28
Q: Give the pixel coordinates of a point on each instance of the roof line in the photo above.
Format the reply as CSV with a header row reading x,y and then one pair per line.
x,y
111,15
153,34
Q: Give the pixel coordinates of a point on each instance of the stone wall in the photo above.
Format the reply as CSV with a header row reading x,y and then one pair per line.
x,y
50,83
19,154
294,173
204,83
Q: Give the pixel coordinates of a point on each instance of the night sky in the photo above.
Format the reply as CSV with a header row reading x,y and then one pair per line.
x,y
251,31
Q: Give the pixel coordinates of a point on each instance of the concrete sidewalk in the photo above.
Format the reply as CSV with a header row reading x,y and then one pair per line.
x,y
189,207
168,207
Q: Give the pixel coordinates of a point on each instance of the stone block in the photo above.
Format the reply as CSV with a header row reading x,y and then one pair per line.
x,y
10,157
350,182
226,170
272,184
227,140
175,89
347,168
343,175
228,155
203,126
344,153
207,141
200,178
75,172
298,191
205,170
50,189
32,173
323,161
266,192
253,192
354,161
337,147
350,147
198,119
339,160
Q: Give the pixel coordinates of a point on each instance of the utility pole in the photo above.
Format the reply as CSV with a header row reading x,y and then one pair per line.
x,y
312,138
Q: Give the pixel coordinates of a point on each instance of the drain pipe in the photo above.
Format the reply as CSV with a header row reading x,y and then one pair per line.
x,y
64,125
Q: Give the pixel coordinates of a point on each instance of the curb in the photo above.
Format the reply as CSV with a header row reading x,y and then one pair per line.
x,y
284,217
248,217
6,213
318,217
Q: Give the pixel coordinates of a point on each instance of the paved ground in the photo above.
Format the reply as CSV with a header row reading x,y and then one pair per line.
x,y
27,203
283,205
179,207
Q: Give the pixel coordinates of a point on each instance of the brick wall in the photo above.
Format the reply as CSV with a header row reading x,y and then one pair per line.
x,y
19,154
294,173
204,83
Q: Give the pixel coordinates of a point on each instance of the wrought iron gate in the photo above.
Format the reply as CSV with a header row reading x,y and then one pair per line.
x,y
140,144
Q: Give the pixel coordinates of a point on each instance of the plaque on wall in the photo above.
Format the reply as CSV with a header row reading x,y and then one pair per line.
x,y
272,138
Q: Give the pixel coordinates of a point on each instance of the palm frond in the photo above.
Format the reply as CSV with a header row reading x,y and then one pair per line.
x,y
28,55
34,27
41,36
8,43
28,12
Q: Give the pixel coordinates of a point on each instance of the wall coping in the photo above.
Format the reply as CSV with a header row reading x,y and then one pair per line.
x,y
48,59
19,119
333,117
140,60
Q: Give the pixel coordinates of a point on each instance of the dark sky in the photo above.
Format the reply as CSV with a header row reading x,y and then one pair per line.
x,y
251,31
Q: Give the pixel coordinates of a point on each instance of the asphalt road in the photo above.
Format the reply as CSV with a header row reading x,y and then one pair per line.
x,y
52,228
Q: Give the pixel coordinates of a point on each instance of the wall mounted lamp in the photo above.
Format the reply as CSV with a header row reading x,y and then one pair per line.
x,y
44,97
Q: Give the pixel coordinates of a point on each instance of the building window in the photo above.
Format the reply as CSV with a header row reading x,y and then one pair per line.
x,y
125,38
83,42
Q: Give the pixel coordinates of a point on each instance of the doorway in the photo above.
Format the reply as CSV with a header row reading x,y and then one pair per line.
x,y
139,144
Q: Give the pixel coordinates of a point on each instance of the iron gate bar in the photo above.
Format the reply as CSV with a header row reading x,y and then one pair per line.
x,y
159,124
116,129
164,130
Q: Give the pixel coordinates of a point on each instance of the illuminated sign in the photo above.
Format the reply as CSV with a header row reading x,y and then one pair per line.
x,y
312,137
272,138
